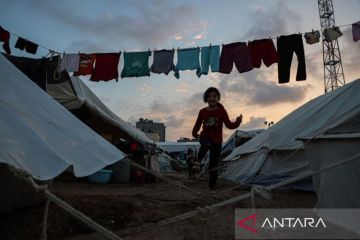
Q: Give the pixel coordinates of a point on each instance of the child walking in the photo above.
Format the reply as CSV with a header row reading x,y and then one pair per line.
x,y
212,119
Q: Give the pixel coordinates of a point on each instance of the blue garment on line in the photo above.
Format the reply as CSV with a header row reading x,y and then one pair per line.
x,y
188,59
210,56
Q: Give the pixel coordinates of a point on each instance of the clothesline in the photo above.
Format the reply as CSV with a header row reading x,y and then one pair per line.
x,y
59,52
244,55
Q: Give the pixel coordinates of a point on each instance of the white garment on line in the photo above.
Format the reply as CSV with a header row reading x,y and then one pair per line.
x,y
69,62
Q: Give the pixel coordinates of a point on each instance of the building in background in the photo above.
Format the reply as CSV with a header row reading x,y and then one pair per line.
x,y
155,131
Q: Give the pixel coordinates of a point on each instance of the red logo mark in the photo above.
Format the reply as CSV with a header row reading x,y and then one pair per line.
x,y
241,223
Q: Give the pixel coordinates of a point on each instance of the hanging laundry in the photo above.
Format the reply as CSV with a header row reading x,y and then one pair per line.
x,y
5,38
41,71
286,46
237,53
331,34
69,62
312,37
29,46
86,64
188,59
136,64
210,56
263,49
356,31
163,62
20,43
106,67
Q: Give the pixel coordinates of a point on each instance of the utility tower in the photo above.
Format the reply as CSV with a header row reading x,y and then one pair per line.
x,y
333,70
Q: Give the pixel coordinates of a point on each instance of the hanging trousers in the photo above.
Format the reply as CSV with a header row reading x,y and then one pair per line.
x,y
286,46
215,150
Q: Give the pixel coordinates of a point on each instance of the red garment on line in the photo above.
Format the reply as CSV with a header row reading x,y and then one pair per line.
x,y
263,49
5,37
212,124
86,64
106,67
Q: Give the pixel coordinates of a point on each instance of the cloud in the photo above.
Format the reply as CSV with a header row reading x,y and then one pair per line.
x,y
254,123
256,88
178,37
199,37
276,20
173,121
150,24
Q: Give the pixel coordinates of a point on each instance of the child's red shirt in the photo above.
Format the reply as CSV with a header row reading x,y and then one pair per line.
x,y
212,123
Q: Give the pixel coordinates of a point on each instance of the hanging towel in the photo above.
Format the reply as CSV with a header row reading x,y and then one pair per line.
x,y
106,67
356,31
29,46
312,37
69,62
188,59
286,46
237,53
331,34
5,38
136,64
163,61
263,49
86,64
210,56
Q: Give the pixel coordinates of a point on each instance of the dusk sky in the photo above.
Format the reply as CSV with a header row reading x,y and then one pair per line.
x,y
134,25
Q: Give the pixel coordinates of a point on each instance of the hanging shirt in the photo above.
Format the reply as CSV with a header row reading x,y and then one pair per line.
x,y
212,123
136,64
42,71
163,61
5,38
210,56
356,31
86,64
106,67
312,37
69,62
331,34
188,59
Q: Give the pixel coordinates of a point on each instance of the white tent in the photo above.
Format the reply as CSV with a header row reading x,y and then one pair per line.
x,y
277,153
75,95
238,137
40,136
172,147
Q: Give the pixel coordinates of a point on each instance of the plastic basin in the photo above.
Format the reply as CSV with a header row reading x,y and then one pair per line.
x,y
103,176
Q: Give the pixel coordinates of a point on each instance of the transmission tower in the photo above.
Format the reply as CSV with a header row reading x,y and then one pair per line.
x,y
333,70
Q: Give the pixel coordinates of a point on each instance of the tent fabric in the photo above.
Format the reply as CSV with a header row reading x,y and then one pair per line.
x,y
311,119
40,136
172,147
82,95
230,143
278,153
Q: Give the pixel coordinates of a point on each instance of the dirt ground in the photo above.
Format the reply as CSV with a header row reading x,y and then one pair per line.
x,y
123,207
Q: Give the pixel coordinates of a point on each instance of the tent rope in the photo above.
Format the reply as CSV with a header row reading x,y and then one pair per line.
x,y
210,208
175,183
77,214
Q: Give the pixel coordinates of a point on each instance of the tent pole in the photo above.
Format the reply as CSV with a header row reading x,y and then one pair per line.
x,y
45,221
